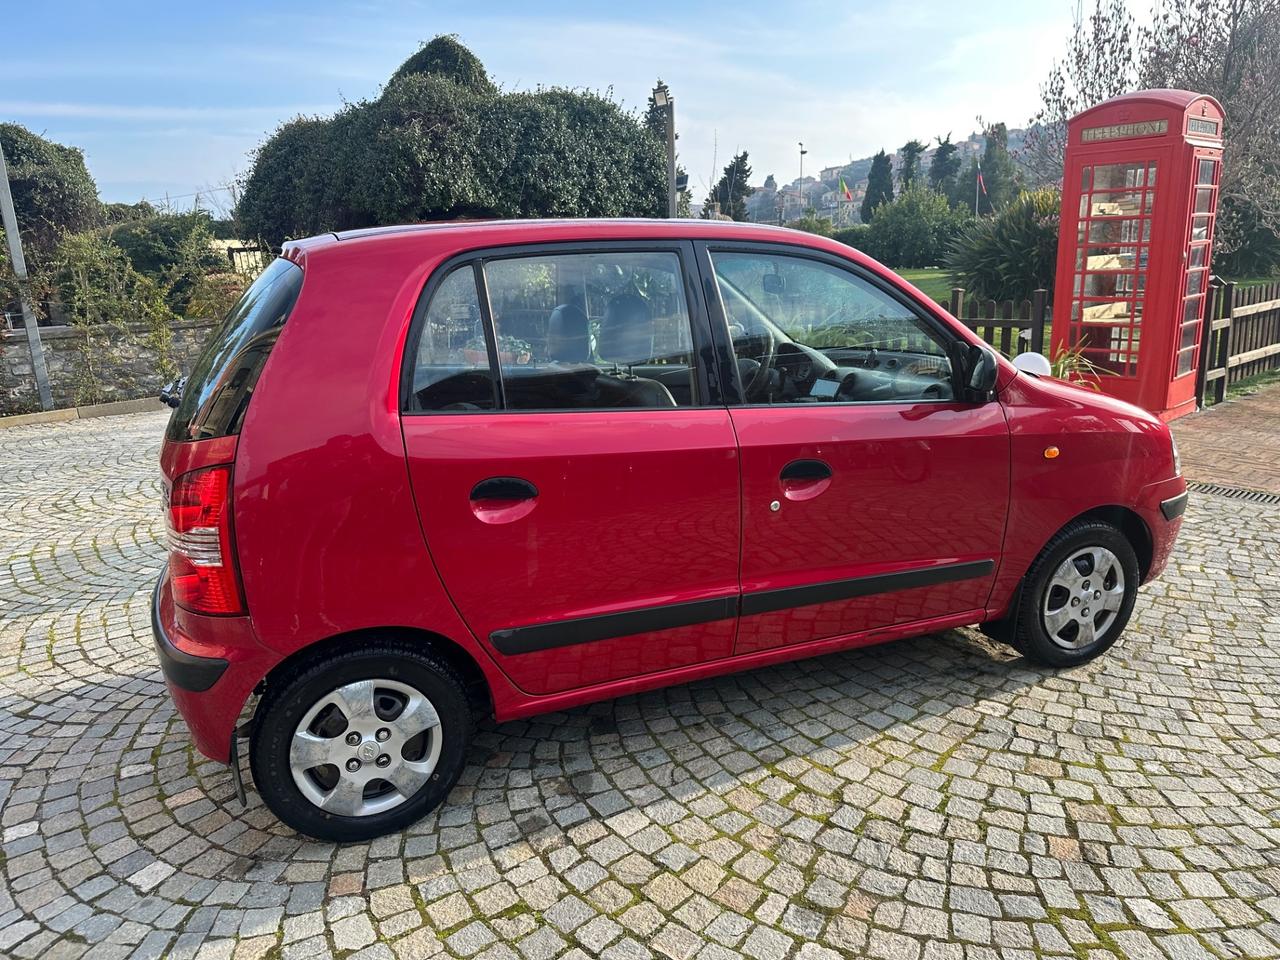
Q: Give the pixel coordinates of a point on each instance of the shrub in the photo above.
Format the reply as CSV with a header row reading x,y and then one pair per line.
x,y
52,190
858,236
172,249
442,143
1010,255
915,229
814,224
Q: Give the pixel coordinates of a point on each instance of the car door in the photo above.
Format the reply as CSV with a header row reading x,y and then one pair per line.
x,y
872,496
575,470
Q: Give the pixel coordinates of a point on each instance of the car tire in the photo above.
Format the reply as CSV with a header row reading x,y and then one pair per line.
x,y
1078,595
361,742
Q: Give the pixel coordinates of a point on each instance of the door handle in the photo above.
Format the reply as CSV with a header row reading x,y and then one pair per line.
x,y
804,479
503,488
806,471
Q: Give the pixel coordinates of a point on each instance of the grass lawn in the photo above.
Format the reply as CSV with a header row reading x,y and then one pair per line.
x,y
932,281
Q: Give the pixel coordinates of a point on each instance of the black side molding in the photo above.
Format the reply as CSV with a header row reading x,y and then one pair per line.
x,y
565,633
182,669
1174,507
767,601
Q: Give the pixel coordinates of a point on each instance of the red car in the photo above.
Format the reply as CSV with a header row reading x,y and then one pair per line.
x,y
426,474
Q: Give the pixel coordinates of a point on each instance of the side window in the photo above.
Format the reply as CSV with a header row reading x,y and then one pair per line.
x,y
592,330
452,369
807,332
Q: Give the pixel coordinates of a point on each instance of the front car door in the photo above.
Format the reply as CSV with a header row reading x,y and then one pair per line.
x,y
871,496
575,470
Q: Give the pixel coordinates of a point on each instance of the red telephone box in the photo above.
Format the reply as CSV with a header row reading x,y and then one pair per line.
x,y
1139,199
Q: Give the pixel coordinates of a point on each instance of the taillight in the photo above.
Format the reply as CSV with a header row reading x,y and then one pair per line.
x,y
201,558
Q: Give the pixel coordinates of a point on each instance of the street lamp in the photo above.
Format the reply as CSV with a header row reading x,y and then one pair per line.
x,y
803,151
665,102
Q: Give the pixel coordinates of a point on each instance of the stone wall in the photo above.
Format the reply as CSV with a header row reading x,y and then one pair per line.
x,y
111,364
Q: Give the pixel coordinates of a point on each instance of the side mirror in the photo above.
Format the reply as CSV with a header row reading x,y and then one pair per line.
x,y
1036,364
973,370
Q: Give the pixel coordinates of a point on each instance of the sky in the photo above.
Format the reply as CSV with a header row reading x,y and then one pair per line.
x,y
167,100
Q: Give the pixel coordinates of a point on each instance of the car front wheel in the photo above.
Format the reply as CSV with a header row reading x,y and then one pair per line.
x,y
361,742
1078,595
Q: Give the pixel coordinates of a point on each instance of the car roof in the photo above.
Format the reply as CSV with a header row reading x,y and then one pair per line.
x,y
480,233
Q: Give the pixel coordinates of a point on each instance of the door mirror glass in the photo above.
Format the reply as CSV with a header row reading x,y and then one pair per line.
x,y
1036,364
975,371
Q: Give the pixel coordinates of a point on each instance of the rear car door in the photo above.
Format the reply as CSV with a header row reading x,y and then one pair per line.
x,y
872,496
575,468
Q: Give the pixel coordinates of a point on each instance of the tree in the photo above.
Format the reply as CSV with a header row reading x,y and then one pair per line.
x,y
731,191
909,168
999,173
52,190
944,169
1229,49
879,185
914,230
432,148
1099,65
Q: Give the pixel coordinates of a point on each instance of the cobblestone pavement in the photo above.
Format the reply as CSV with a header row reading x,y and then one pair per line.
x,y
1236,443
931,799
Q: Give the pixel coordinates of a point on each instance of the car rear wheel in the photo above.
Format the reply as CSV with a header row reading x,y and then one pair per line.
x,y
1078,595
361,742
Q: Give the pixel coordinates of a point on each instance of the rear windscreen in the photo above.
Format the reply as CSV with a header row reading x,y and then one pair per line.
x,y
218,389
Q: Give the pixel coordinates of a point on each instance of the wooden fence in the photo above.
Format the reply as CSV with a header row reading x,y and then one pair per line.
x,y
1241,337
1010,327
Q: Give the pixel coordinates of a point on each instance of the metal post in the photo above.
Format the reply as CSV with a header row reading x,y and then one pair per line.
x,y
671,157
10,220
803,151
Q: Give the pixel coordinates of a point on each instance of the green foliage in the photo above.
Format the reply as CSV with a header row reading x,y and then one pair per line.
x,y
113,213
173,249
731,192
858,236
879,185
910,168
100,288
52,190
432,149
914,230
944,168
446,57
1008,256
814,224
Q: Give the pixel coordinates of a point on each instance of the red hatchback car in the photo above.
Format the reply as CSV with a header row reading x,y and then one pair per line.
x,y
421,475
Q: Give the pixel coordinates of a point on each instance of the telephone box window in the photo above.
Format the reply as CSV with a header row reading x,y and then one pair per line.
x,y
1113,236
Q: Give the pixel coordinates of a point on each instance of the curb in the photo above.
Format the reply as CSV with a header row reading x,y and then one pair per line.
x,y
114,409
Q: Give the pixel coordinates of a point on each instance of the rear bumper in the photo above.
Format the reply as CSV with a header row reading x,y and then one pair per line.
x,y
211,665
183,670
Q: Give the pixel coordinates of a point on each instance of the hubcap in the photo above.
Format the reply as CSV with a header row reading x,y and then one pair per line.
x,y
1083,598
366,747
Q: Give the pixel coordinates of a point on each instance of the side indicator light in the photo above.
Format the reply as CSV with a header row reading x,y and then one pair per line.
x,y
1051,453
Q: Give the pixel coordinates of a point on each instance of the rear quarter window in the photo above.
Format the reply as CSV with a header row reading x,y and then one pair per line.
x,y
221,382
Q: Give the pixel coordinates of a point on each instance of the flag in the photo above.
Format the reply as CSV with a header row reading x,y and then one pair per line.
x,y
845,192
982,183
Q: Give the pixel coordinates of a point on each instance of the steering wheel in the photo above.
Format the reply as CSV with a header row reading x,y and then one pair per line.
x,y
756,387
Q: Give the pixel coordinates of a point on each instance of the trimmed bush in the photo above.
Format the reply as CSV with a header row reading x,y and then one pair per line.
x,y
52,190
442,143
